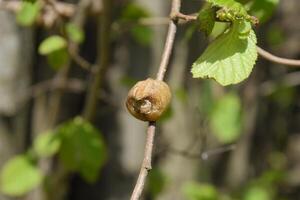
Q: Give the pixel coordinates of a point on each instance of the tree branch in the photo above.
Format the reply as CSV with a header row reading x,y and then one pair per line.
x,y
90,106
146,165
284,61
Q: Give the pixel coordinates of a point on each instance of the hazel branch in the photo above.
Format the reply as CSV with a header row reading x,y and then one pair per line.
x,y
284,61
146,165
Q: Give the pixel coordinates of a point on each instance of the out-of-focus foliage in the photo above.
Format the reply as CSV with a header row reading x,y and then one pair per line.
x,y
79,145
225,118
203,191
46,144
55,48
156,183
263,9
52,44
82,148
74,33
131,15
58,59
257,193
19,176
275,36
28,13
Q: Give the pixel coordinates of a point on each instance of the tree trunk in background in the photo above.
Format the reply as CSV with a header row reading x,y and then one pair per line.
x,y
16,46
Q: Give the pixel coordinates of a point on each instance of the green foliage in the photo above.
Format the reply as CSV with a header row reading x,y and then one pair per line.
x,y
131,15
226,118
128,81
58,59
133,12
46,144
231,11
156,182
82,148
218,29
206,19
257,193
141,34
195,191
263,9
52,44
207,100
275,36
74,33
229,59
28,13
19,176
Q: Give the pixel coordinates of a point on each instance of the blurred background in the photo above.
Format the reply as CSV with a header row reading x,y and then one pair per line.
x,y
57,58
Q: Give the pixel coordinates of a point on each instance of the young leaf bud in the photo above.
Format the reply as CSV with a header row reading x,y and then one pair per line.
x,y
148,99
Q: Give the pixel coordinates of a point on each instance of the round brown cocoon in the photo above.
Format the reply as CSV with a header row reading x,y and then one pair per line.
x,y
148,99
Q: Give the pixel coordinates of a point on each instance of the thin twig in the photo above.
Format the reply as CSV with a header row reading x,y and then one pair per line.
x,y
169,42
284,61
146,165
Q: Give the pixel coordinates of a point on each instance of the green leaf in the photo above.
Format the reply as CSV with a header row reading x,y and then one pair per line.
x,y
51,44
230,5
141,34
257,193
28,13
230,58
75,33
133,12
206,19
157,182
225,118
82,148
263,9
206,99
46,144
58,59
195,191
19,176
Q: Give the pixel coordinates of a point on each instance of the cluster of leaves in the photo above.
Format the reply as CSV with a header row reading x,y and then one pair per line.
x,y
78,145
261,188
229,59
54,47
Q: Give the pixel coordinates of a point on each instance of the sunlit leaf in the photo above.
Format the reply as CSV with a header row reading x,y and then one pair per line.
x,y
195,191
46,144
82,148
257,193
51,44
229,59
75,33
232,5
28,13
226,118
19,176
